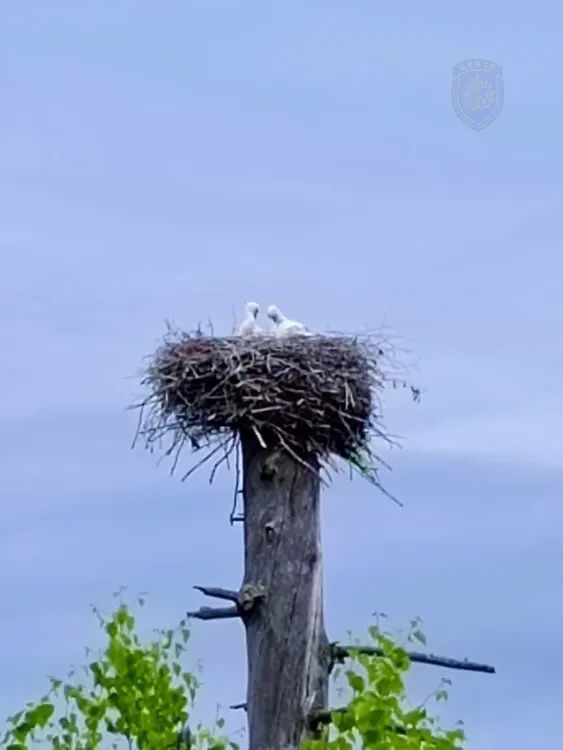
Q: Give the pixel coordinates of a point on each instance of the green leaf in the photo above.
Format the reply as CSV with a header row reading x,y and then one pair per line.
x,y
22,730
356,682
374,632
414,717
40,715
343,721
371,737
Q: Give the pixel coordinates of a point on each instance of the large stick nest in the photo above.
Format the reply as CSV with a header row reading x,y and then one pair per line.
x,y
317,397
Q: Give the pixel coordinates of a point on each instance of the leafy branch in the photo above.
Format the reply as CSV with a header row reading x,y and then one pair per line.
x,y
377,715
135,694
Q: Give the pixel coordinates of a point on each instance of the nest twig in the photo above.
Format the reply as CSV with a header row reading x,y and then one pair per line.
x,y
317,397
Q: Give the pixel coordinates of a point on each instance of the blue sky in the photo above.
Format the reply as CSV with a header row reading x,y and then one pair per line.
x,y
172,161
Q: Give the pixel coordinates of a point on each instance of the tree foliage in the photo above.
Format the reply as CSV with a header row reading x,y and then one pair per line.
x,y
378,715
135,696
140,697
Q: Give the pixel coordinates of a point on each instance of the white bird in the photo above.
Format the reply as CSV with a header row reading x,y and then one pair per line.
x,y
249,326
284,326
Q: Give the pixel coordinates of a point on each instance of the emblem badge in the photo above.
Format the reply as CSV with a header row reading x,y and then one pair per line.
x,y
477,92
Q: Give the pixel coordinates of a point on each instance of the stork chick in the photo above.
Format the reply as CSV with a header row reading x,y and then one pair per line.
x,y
284,326
249,326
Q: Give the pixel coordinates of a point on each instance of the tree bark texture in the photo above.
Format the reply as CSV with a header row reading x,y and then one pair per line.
x,y
288,656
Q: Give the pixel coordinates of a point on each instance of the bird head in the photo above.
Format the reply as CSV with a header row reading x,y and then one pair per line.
x,y
274,314
253,308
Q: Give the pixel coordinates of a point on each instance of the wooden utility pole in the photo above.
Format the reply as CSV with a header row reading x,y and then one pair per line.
x,y
288,664
281,598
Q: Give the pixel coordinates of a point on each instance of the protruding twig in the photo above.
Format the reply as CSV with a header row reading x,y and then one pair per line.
x,y
218,593
339,653
239,706
238,491
244,602
214,613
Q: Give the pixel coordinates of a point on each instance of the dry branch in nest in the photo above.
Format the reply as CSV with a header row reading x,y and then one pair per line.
x,y
316,397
